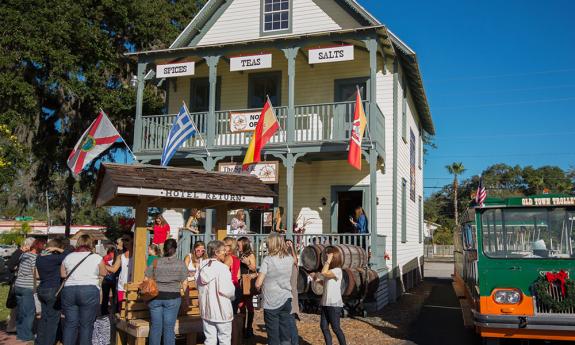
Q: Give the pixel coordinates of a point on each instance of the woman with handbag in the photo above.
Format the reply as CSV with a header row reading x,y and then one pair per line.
x,y
248,272
170,275
80,295
12,266
24,288
48,272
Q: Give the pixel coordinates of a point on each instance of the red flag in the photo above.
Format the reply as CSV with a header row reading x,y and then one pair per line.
x,y
96,139
357,129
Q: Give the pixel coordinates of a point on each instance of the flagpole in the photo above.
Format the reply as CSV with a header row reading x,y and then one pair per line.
x,y
196,128
124,141
280,126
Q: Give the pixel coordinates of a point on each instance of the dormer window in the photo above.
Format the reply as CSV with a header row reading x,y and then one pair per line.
x,y
276,16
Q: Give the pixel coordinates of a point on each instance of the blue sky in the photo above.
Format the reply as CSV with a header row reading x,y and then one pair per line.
x,y
500,79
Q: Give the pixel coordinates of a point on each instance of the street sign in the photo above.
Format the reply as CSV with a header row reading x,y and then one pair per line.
x,y
24,218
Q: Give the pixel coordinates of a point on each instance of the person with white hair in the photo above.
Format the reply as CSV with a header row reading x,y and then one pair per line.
x,y
12,266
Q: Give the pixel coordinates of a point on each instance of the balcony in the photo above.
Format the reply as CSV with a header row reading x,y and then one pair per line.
x,y
314,124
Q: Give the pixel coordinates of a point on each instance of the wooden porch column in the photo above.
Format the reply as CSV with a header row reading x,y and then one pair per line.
x,y
371,45
141,74
373,206
291,54
212,62
140,245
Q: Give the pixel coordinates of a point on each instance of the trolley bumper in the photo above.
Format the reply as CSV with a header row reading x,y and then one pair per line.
x,y
557,322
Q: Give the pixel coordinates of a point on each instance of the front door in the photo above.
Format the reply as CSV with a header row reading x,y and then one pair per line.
x,y
344,96
347,202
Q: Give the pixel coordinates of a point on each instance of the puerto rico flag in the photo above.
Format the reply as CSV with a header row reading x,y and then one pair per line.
x,y
96,139
357,129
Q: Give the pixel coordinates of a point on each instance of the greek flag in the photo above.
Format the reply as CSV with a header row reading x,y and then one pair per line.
x,y
182,129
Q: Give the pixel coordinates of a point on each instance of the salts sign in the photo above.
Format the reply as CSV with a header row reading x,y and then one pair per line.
x,y
267,172
175,70
333,54
243,63
244,121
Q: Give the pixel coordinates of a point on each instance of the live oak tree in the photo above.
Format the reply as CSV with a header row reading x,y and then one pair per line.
x,y
60,62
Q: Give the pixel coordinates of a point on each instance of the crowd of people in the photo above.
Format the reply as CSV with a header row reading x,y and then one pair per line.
x,y
74,285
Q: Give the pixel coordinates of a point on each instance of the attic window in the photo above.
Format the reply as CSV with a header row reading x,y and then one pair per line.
x,y
276,15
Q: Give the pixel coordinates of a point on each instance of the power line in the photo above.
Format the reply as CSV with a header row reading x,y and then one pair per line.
x,y
511,135
483,92
486,105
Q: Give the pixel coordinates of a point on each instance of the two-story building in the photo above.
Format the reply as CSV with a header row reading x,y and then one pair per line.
x,y
309,57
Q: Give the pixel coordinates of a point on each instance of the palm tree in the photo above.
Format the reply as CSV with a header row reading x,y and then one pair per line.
x,y
455,169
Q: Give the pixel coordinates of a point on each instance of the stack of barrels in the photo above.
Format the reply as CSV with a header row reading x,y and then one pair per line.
x,y
358,281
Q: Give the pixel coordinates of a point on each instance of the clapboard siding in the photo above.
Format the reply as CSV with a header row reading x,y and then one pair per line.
x,y
312,84
241,20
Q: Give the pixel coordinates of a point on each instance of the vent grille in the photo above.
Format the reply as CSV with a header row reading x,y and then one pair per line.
x,y
555,292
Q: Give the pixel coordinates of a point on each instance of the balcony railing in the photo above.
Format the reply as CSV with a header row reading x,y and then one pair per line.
x,y
314,123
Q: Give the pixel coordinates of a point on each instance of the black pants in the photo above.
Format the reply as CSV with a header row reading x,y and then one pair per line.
x,y
330,316
107,286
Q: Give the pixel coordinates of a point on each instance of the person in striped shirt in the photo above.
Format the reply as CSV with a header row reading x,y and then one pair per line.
x,y
24,288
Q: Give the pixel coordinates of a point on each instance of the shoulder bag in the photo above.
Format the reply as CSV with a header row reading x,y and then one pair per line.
x,y
149,288
248,283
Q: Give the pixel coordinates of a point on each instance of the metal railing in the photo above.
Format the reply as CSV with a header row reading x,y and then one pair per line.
x,y
313,123
435,250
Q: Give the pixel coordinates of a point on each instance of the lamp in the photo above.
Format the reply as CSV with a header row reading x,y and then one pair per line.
x,y
323,201
134,81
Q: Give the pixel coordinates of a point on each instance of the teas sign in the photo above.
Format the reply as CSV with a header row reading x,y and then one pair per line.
x,y
175,70
267,171
244,121
243,63
333,54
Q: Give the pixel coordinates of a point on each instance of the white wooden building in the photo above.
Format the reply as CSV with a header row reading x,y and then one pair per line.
x,y
308,56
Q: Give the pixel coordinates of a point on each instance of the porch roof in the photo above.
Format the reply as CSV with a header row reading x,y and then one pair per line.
x,y
127,185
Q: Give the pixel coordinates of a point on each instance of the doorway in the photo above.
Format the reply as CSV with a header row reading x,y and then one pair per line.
x,y
346,204
344,95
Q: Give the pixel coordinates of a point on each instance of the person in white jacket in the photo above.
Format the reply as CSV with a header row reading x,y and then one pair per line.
x,y
216,292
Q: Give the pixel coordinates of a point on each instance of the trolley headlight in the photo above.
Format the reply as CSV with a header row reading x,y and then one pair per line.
x,y
509,296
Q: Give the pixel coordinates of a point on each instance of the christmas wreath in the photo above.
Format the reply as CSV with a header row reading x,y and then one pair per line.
x,y
544,284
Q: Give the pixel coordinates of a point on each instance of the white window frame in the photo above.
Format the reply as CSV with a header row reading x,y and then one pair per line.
x,y
263,31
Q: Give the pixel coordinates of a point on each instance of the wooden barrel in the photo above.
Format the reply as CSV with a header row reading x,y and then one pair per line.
x,y
355,282
311,257
316,284
303,281
351,256
372,281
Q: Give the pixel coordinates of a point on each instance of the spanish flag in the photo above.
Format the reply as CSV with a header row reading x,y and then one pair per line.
x,y
357,129
265,129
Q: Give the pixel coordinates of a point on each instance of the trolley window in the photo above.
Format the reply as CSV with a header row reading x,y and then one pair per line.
x,y
528,233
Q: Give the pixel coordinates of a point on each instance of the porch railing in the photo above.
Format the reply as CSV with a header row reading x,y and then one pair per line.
x,y
321,122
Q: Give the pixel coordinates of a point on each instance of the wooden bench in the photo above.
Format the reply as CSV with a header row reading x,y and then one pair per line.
x,y
133,320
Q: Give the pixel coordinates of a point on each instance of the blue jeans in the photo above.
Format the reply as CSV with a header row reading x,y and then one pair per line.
x,y
26,313
293,330
48,324
80,305
163,315
330,316
278,324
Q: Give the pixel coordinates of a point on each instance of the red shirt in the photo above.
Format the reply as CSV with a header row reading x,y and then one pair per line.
x,y
235,269
108,258
161,233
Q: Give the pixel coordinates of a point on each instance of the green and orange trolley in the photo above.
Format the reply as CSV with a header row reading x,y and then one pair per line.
x,y
514,267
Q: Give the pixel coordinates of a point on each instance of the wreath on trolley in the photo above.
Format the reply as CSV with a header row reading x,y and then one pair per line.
x,y
544,284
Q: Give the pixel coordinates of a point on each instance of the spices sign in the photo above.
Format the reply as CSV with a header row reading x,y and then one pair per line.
x,y
249,62
244,121
333,54
267,172
175,70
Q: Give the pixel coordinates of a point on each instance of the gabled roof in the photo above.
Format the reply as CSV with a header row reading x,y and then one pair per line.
x,y
406,55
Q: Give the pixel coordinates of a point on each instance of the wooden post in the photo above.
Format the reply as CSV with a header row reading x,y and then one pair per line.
x,y
137,144
221,220
140,245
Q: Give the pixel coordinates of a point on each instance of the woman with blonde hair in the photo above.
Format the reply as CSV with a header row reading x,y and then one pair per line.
x,y
192,260
278,225
331,300
81,271
274,280
238,225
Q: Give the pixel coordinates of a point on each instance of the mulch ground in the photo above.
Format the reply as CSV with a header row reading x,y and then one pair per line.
x,y
389,327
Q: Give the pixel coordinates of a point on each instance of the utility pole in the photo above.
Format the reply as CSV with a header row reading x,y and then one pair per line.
x,y
48,222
